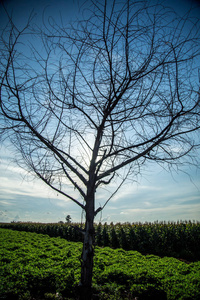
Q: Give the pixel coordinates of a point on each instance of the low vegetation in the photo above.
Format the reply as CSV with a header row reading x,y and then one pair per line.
x,y
36,266
180,239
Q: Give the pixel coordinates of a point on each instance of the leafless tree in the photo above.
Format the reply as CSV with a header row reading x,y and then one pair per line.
x,y
93,102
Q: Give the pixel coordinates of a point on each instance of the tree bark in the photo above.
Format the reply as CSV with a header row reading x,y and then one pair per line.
x,y
88,252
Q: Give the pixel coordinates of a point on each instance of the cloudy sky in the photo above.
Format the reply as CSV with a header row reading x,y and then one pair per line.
x,y
156,195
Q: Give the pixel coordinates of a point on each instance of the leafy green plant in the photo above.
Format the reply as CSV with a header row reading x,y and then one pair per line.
x,y
180,239
35,265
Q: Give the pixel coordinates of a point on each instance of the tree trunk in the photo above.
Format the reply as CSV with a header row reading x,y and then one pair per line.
x,y
88,253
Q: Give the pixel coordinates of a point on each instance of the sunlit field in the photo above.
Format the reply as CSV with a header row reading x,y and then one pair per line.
x,y
37,266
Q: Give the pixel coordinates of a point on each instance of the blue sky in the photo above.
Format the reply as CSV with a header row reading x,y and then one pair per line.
x,y
156,195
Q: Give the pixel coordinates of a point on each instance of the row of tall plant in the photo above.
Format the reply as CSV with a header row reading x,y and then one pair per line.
x,y
177,239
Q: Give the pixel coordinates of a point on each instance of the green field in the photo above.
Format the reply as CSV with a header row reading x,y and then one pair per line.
x,y
176,239
36,266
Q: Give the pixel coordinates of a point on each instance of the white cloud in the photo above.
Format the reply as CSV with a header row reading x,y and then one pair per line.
x,y
30,200
157,196
3,202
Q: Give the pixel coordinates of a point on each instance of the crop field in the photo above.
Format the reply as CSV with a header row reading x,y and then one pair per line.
x,y
36,266
177,239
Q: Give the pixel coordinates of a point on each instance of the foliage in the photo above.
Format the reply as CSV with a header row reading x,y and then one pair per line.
x,y
180,240
68,219
35,265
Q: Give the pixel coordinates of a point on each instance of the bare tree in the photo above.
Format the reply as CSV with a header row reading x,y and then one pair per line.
x,y
93,102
